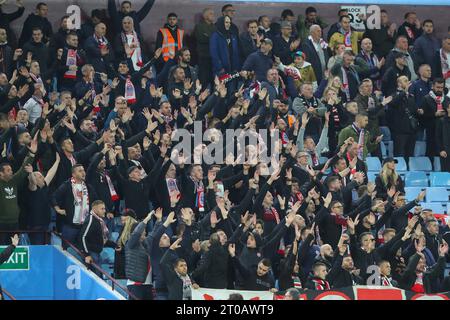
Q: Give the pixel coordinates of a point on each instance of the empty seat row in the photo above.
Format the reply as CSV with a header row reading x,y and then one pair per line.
x,y
415,164
420,179
433,194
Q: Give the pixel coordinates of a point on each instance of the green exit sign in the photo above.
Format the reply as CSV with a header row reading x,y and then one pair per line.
x,y
19,260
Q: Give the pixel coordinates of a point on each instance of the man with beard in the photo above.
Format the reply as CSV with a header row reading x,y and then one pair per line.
x,y
443,140
434,106
72,58
343,273
126,10
411,28
170,39
313,107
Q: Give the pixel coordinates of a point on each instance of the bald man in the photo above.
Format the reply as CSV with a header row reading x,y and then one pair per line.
x,y
99,52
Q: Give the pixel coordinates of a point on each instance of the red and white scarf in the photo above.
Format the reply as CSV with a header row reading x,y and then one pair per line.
x,y
323,44
200,195
71,60
271,214
130,93
410,32
81,201
112,190
105,231
386,281
348,39
360,132
102,41
136,54
438,100
297,282
320,284
172,185
418,284
445,64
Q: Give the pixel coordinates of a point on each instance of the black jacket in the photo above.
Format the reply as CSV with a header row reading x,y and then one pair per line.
x,y
63,197
429,106
117,16
389,81
248,45
443,134
213,267
312,57
5,254
341,278
94,56
173,281
7,65
41,54
91,235
34,21
251,279
382,42
429,277
98,181
399,122
402,31
137,254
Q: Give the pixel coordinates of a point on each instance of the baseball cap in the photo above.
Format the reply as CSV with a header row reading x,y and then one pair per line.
x,y
398,54
389,159
267,41
285,24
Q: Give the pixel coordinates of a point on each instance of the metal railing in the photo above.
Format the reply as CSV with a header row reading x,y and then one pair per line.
x,y
114,282
9,295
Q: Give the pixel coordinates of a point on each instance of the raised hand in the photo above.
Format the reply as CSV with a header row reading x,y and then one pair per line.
x,y
176,245
213,219
170,219
148,217
158,214
15,240
327,200
196,246
232,249
281,201
421,196
305,119
443,249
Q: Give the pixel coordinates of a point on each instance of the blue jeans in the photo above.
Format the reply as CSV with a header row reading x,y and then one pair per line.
x,y
71,234
98,261
161,295
141,292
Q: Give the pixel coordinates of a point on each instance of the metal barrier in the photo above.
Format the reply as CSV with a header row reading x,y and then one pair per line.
x,y
9,295
114,282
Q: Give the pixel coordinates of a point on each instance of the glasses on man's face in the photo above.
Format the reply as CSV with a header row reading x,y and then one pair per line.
x,y
231,10
338,206
371,240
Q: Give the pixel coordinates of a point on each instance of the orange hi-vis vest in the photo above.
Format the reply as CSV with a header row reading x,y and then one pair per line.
x,y
290,119
169,44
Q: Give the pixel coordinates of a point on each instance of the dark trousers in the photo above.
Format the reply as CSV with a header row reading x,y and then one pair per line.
x,y
445,163
141,292
40,236
6,232
430,142
71,234
404,145
377,152
205,74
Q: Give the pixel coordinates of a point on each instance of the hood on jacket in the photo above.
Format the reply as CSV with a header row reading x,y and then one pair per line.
x,y
220,25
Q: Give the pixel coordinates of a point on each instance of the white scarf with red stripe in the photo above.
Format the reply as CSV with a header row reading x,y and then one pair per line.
x,y
136,54
81,201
